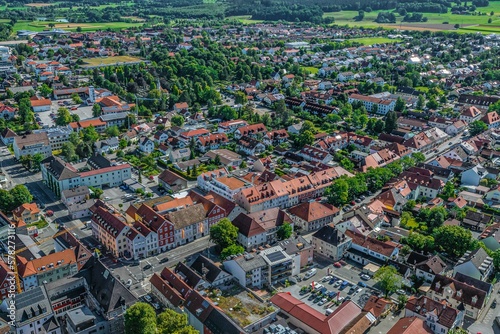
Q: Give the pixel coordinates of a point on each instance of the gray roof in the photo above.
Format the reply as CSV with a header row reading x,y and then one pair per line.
x,y
98,161
77,191
79,316
330,235
477,258
58,168
113,116
180,153
32,305
249,263
206,268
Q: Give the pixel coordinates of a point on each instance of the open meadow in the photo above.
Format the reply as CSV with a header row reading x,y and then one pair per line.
x,y
44,25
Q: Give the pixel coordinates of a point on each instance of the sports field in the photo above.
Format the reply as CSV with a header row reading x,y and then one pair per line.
x,y
374,40
117,60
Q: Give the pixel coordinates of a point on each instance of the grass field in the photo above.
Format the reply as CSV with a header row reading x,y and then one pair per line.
x,y
109,60
245,19
39,4
312,70
44,25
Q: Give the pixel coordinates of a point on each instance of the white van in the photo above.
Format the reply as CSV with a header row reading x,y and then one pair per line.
x,y
328,311
310,273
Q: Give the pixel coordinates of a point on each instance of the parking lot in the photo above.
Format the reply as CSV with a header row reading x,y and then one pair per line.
x,y
335,286
83,111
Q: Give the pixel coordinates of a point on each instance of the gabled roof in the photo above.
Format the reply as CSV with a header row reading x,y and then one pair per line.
x,y
311,211
331,235
206,268
410,325
422,305
461,292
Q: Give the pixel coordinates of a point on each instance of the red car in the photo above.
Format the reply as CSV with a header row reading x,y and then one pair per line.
x,y
49,213
337,265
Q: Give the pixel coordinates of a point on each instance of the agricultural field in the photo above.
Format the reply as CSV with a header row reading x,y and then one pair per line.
x,y
44,25
245,19
435,21
109,60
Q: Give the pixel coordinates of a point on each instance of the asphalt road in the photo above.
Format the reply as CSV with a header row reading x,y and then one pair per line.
x,y
140,276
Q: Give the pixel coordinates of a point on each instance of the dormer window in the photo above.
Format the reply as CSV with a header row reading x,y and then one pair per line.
x,y
438,285
474,299
459,293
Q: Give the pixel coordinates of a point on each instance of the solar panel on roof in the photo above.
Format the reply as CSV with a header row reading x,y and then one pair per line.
x,y
276,256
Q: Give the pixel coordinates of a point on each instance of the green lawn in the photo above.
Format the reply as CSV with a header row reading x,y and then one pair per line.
x,y
44,25
312,70
245,19
374,40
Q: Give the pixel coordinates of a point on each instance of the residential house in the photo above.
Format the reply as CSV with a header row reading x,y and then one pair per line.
x,y
181,154
492,120
107,145
172,181
250,270
178,107
34,314
310,153
57,136
469,294
75,195
163,237
211,142
410,325
474,175
48,268
210,272
426,267
476,264
231,126
228,159
374,104
476,221
439,316
363,248
310,216
330,242
470,114
275,137
250,131
300,250
378,306
8,136
28,212
146,145
250,146
259,228
220,182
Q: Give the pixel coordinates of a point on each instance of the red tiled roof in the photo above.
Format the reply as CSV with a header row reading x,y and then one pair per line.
x,y
104,170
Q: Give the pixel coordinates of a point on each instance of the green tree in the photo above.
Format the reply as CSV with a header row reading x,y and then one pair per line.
x,y
217,160
284,231
140,318
420,101
454,240
224,233
419,242
20,195
418,156
432,103
338,192
69,151
76,98
402,300
36,161
477,127
96,110
388,279
171,322
90,134
45,90
6,201
123,143
496,259
177,120
458,330
240,98
233,249
391,121
400,104
96,192
448,190
63,116
113,131
304,138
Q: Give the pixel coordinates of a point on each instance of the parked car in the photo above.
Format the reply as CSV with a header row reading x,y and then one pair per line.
x,y
337,265
326,278
494,303
147,266
400,292
322,301
148,298
365,277
362,284
165,259
333,280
